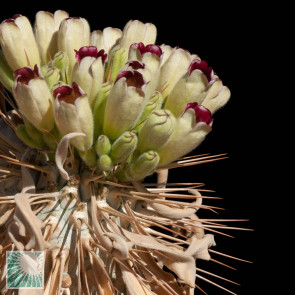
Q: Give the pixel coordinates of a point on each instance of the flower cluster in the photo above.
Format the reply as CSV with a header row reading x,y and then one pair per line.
x,y
139,105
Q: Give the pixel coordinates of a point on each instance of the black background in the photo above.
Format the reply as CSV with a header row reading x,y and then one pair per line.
x,y
231,39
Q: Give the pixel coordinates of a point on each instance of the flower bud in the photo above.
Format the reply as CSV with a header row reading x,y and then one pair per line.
x,y
99,107
105,163
173,69
73,33
144,165
73,114
191,129
88,72
102,145
46,28
156,131
33,98
123,147
6,74
61,61
18,42
105,39
136,31
116,60
125,104
52,76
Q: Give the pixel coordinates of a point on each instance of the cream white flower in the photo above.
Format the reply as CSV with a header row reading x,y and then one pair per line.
x,y
18,42
46,30
74,33
33,98
105,39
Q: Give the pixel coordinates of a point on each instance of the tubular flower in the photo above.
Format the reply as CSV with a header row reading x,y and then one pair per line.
x,y
88,72
46,31
33,98
193,126
95,115
18,42
125,103
73,114
73,33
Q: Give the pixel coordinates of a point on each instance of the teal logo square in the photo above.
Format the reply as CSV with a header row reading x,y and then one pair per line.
x,y
24,269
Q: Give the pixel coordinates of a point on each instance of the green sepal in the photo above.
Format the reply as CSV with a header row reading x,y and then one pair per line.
x,y
99,107
22,134
154,103
116,60
34,133
6,73
89,157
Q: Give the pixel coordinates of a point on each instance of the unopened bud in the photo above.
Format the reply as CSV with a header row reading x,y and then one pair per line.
x,y
156,131
123,146
105,163
61,61
52,76
102,145
144,165
116,60
154,103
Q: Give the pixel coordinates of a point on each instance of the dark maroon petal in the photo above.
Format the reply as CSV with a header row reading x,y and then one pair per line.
x,y
24,75
86,51
139,46
190,105
67,93
202,113
202,66
133,78
135,65
15,16
74,17
90,51
103,56
155,49
12,20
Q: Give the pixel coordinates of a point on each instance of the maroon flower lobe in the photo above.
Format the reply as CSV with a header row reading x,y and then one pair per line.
x,y
67,93
202,113
133,78
155,49
12,20
135,65
24,75
90,51
202,66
